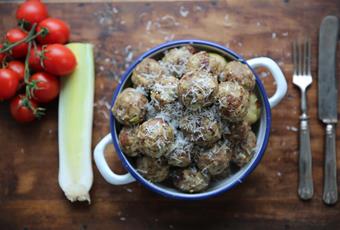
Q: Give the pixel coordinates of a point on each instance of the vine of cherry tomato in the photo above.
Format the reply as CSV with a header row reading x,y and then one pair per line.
x,y
32,12
33,57
23,109
57,31
15,35
59,60
47,87
18,67
9,82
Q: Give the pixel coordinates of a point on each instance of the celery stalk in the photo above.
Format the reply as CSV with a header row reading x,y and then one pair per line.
x,y
75,126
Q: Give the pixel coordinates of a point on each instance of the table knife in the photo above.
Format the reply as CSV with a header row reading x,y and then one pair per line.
x,y
327,104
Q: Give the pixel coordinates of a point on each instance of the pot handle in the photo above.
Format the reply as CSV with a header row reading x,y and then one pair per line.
x,y
281,83
103,167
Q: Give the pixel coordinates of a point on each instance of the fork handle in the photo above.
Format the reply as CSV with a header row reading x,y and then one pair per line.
x,y
305,189
330,190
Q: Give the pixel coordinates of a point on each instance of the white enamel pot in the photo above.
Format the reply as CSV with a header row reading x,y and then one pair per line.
x,y
262,130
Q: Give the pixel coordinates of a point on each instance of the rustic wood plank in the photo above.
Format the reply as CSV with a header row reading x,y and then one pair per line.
x,y
29,194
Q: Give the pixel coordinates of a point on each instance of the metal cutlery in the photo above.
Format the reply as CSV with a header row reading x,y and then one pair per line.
x,y
302,78
328,98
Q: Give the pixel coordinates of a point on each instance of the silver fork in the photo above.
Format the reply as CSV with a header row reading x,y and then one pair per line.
x,y
302,78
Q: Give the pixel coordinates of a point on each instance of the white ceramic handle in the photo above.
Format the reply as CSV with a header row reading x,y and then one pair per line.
x,y
103,167
281,83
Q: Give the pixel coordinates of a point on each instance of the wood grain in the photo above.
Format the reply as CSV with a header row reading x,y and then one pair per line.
x,y
29,194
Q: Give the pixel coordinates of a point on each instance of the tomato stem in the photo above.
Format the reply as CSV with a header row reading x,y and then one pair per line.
x,y
31,36
30,85
42,56
4,62
38,112
24,24
27,69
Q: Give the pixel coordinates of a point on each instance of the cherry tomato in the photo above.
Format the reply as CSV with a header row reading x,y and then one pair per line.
x,y
18,67
34,59
21,109
15,35
57,31
8,83
48,87
32,12
59,60
2,55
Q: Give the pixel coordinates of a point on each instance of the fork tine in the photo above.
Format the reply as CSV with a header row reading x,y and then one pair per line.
x,y
305,57
294,58
309,57
300,65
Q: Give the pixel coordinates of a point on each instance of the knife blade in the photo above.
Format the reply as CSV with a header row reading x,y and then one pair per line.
x,y
328,91
327,102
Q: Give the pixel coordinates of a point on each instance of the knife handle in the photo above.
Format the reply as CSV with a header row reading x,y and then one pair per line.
x,y
330,192
305,189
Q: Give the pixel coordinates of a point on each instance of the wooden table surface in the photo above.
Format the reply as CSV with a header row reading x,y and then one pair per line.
x,y
30,197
